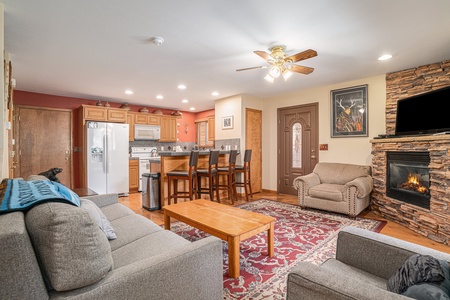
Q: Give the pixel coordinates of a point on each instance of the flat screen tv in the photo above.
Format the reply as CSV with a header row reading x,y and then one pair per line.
x,y
424,114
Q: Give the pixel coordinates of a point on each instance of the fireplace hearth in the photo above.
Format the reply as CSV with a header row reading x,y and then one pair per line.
x,y
408,177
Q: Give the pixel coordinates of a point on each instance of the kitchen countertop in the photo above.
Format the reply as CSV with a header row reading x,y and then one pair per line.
x,y
184,153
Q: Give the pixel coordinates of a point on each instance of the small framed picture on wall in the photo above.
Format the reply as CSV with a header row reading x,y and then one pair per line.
x,y
227,122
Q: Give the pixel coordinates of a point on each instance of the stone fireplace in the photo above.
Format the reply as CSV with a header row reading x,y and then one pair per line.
x,y
428,213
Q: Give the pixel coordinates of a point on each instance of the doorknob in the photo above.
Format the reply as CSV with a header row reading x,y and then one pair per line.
x,y
313,157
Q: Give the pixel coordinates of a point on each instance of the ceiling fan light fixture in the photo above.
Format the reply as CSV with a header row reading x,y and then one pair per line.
x,y
275,71
269,78
286,74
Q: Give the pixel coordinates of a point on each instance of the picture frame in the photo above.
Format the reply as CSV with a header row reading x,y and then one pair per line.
x,y
227,122
349,112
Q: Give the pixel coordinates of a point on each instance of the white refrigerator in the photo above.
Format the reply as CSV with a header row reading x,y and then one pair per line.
x,y
107,157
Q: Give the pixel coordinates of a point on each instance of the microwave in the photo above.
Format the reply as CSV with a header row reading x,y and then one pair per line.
x,y
147,132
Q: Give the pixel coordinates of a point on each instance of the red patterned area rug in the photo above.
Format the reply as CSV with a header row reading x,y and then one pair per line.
x,y
300,235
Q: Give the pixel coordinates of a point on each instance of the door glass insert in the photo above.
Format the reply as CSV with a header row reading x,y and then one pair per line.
x,y
297,145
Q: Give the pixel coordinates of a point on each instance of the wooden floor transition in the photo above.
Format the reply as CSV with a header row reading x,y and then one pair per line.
x,y
133,201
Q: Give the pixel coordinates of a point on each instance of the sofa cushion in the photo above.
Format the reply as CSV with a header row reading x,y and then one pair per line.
x,y
338,173
72,249
116,211
131,228
99,218
333,192
150,245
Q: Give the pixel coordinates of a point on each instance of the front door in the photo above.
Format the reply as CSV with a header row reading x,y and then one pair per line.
x,y
297,144
44,141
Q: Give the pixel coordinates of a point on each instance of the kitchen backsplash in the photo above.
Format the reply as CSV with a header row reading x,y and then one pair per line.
x,y
219,144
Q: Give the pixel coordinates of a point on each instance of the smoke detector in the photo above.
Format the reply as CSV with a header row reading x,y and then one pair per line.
x,y
157,40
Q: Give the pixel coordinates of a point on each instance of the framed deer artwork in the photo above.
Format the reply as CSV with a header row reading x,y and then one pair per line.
x,y
349,112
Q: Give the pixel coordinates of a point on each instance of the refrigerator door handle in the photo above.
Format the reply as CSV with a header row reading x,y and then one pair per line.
x,y
105,158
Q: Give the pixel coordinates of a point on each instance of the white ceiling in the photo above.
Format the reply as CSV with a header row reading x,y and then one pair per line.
x,y
98,49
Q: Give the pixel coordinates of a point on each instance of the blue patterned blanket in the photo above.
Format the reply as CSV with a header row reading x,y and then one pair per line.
x,y
19,194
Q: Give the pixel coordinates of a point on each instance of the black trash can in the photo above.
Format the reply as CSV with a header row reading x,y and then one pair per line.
x,y
150,191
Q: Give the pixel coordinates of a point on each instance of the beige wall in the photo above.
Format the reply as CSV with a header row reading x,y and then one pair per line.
x,y
346,150
226,107
3,106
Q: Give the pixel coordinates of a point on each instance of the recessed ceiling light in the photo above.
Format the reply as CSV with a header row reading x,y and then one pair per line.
x,y
385,57
192,108
185,101
159,97
129,92
215,94
181,86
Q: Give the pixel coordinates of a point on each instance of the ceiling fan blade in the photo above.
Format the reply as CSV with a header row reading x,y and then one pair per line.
x,y
302,55
264,55
245,69
301,69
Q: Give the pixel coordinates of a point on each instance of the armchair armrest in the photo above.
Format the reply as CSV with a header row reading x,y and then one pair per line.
x,y
308,281
376,253
363,185
306,181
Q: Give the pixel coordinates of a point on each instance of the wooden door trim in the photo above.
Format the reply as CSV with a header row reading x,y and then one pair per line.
x,y
247,110
17,128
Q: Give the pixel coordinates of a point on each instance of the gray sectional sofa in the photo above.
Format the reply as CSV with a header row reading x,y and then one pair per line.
x,y
57,251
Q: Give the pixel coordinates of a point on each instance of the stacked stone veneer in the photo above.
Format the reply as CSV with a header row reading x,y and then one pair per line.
x,y
435,222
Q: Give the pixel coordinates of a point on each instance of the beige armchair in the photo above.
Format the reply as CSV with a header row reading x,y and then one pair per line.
x,y
336,187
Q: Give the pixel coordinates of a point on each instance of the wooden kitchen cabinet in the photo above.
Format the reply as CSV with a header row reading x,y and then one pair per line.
x,y
102,114
147,119
168,129
134,175
130,122
211,128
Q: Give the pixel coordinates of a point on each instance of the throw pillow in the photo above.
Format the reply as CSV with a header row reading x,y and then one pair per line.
x,y
417,268
432,290
99,217
72,250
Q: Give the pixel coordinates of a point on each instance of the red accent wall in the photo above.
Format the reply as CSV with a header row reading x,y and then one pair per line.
x,y
51,101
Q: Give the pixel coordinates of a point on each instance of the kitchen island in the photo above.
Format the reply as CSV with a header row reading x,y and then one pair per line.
x,y
171,160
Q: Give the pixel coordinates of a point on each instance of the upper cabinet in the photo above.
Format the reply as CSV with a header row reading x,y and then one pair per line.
x,y
149,119
168,129
103,114
211,128
130,122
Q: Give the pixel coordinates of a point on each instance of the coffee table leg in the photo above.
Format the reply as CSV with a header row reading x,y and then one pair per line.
x,y
233,256
166,221
270,241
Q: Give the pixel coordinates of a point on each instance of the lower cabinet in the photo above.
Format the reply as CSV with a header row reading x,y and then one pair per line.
x,y
134,175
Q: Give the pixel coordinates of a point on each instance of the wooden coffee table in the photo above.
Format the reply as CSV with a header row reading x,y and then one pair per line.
x,y
228,223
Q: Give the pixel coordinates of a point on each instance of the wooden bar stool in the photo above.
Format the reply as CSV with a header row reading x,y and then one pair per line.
x,y
190,175
245,171
230,173
211,174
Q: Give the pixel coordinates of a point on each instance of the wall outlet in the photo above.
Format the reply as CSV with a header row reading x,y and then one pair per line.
x,y
323,147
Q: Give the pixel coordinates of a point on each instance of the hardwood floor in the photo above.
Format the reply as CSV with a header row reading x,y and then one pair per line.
x,y
133,201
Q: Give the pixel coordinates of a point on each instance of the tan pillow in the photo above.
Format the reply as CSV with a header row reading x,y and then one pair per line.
x,y
72,249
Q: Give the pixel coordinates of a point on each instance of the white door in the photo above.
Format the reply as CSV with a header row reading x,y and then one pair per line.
x,y
96,156
117,158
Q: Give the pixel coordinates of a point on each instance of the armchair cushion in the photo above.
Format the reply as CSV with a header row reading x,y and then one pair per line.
x,y
329,191
338,173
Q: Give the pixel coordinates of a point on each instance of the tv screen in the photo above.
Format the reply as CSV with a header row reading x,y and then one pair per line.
x,y
424,114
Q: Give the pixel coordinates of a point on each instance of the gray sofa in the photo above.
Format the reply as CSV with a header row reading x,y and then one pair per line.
x,y
364,262
336,187
57,251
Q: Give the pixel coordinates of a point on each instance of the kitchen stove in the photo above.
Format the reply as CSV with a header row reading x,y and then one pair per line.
x,y
144,154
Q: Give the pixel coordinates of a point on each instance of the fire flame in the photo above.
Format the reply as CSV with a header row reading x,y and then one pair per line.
x,y
413,183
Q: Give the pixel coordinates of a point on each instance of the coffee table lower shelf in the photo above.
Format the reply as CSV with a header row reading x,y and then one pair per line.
x,y
228,223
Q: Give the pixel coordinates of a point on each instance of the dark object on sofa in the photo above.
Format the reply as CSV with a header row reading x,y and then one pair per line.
x,y
416,269
51,174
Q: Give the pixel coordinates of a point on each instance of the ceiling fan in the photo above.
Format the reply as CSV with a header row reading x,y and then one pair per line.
x,y
280,64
